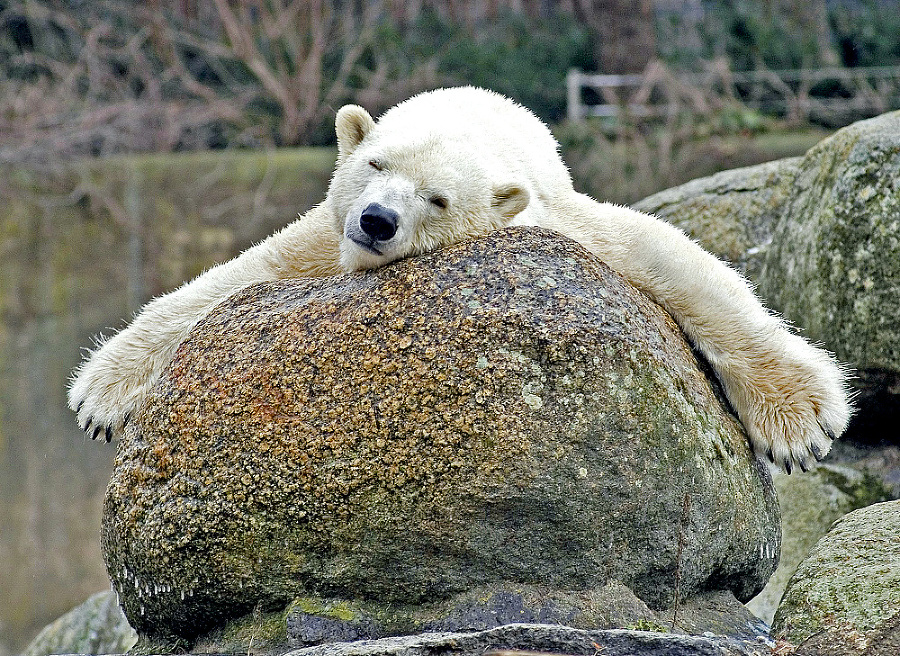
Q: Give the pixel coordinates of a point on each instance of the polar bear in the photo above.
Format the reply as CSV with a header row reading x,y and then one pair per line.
x,y
459,162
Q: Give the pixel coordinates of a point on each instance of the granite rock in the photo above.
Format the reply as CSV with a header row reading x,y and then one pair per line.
x,y
507,411
848,587
820,236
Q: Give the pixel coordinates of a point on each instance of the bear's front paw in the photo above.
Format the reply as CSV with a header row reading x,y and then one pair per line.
x,y
795,404
105,392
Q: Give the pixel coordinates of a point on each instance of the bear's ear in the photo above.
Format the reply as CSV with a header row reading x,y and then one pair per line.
x,y
352,125
510,199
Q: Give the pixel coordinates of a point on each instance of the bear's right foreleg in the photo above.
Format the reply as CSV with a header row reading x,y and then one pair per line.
x,y
112,383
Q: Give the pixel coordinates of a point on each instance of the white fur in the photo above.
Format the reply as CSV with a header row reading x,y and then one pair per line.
x,y
459,162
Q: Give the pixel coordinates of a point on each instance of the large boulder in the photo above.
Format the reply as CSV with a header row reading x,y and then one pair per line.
x,y
846,593
505,415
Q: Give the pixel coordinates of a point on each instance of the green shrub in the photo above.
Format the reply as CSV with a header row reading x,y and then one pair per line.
x,y
867,33
524,58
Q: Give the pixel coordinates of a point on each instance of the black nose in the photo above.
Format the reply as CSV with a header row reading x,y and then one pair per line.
x,y
378,222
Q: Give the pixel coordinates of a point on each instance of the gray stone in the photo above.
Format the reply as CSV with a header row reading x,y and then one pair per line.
x,y
507,411
733,213
850,583
834,264
95,627
311,622
518,638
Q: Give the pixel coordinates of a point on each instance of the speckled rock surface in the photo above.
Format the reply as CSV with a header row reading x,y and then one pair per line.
x,y
95,627
834,264
849,585
543,639
505,411
810,504
732,213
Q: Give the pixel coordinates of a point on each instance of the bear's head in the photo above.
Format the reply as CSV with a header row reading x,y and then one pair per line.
x,y
397,193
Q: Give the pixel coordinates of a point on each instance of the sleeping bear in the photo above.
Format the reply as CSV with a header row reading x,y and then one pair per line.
x,y
455,163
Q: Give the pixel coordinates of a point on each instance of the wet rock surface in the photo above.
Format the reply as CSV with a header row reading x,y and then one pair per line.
x,y
310,622
505,412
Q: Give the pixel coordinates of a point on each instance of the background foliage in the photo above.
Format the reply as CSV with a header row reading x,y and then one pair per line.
x,y
112,76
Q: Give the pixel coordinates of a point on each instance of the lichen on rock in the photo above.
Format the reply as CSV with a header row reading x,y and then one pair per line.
x,y
505,411
849,585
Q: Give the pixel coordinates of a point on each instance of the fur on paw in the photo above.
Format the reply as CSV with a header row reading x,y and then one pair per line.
x,y
98,419
796,405
103,395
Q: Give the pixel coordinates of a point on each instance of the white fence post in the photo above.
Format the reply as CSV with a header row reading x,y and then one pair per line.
x,y
575,110
785,91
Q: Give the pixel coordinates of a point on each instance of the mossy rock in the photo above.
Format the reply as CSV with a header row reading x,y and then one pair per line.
x,y
834,264
850,582
95,627
819,234
505,411
810,504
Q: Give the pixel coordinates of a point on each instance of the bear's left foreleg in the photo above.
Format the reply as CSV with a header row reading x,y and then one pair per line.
x,y
790,395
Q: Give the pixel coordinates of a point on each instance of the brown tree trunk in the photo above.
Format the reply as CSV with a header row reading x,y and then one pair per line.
x,y
812,18
624,32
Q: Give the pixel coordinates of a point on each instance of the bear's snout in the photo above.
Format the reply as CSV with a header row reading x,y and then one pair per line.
x,y
378,222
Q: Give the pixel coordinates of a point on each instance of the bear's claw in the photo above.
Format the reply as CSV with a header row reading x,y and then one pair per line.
x,y
828,432
107,430
816,451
